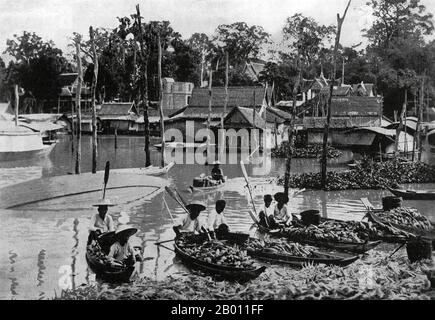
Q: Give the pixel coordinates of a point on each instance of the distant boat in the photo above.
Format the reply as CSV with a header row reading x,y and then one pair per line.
x,y
149,171
17,142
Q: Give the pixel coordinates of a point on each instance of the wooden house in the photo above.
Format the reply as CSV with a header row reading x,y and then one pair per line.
x,y
118,115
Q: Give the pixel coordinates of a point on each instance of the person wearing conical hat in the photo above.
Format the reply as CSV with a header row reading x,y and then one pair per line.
x,y
122,250
190,222
101,222
216,173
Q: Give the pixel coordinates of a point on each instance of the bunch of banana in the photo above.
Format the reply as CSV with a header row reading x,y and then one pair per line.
x,y
407,217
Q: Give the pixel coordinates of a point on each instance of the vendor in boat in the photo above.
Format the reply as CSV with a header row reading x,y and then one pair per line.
x,y
122,251
216,173
266,213
216,220
191,223
281,215
101,222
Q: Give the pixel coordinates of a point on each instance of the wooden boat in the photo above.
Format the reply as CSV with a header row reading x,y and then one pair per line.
x,y
105,271
296,261
108,273
208,189
148,171
355,247
226,272
413,195
417,232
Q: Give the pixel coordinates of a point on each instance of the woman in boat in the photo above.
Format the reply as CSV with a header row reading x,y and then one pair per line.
x,y
122,251
266,213
216,220
101,222
190,223
281,214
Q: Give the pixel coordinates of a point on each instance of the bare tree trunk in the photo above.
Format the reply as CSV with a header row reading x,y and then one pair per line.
x,y
400,126
210,101
94,111
79,109
331,90
144,91
420,118
17,104
162,123
292,127
224,113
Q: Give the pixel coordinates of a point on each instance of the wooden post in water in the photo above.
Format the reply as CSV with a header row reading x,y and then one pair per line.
x,y
144,90
420,117
210,98
17,104
94,111
78,107
162,123
400,126
116,138
224,113
331,91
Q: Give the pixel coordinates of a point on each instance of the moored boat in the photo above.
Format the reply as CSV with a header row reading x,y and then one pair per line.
x,y
233,273
148,171
107,272
413,194
200,185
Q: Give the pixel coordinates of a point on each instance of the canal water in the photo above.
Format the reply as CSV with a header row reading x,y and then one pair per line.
x,y
42,248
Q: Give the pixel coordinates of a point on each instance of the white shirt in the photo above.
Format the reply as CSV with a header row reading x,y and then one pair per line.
x,y
189,225
268,211
105,225
119,252
215,220
283,215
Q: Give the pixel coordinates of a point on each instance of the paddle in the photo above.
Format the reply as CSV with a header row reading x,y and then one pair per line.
x,y
174,196
167,209
165,241
245,175
106,177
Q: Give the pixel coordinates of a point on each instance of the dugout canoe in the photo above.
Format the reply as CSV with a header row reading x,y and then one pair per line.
x,y
413,194
148,171
297,261
226,272
355,247
207,189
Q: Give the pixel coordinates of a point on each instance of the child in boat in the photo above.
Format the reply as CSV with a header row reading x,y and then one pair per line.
x,y
101,222
190,222
122,251
266,212
281,214
216,219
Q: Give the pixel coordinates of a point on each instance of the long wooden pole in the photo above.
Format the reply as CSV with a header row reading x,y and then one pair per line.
x,y
162,123
17,103
331,90
420,118
78,108
94,111
400,126
224,113
210,101
144,91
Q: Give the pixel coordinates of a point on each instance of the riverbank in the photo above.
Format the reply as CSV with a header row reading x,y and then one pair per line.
x,y
308,152
375,276
366,175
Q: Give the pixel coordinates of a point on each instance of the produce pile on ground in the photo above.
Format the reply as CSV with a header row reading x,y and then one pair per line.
x,y
95,251
409,217
216,252
311,151
375,276
281,246
367,175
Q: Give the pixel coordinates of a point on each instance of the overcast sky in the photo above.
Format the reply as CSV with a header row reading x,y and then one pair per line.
x,y
57,19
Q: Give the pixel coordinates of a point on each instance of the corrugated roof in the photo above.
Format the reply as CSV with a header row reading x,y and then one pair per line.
x,y
117,109
274,114
200,113
355,106
247,113
237,96
341,91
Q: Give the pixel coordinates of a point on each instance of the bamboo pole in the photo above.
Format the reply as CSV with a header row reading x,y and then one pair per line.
x,y
17,104
78,108
224,113
420,118
331,90
94,111
162,123
116,138
144,91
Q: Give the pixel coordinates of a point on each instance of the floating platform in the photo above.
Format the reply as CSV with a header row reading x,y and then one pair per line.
x,y
79,191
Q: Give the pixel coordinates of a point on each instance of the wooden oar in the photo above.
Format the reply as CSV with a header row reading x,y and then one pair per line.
x,y
106,178
174,196
166,241
167,209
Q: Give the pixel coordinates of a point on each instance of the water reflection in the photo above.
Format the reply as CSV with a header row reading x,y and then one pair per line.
x,y
14,281
41,268
74,252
